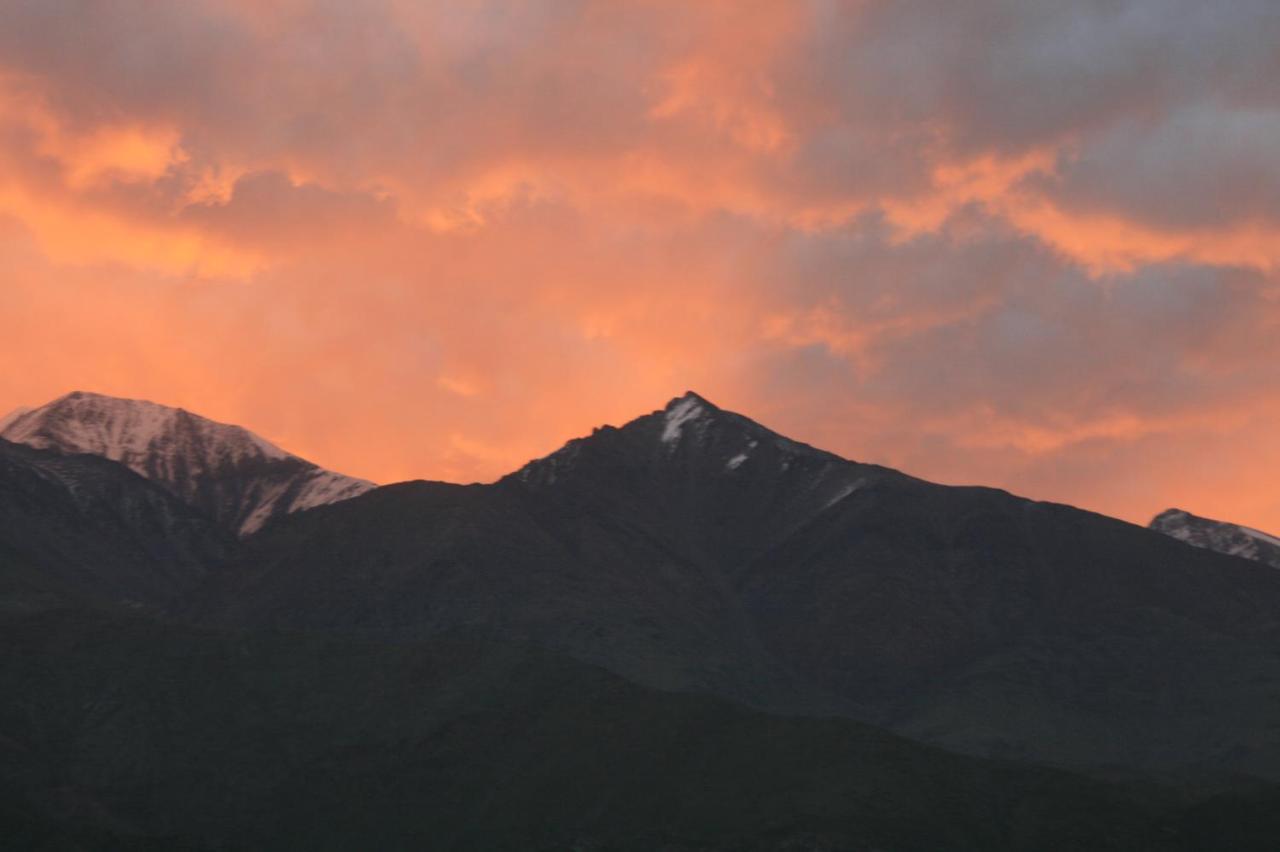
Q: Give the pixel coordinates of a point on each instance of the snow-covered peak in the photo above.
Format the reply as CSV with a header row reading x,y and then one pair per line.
x,y
225,470
1220,536
127,430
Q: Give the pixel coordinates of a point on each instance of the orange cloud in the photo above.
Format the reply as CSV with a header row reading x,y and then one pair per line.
x,y
434,239
1106,242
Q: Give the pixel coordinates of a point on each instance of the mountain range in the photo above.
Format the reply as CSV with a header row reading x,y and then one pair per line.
x,y
686,632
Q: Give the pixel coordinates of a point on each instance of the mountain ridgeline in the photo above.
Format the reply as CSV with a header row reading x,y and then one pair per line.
x,y
687,632
1220,536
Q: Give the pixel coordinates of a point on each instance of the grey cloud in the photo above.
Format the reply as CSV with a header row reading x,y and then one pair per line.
x,y
1010,74
1164,109
1208,165
1042,337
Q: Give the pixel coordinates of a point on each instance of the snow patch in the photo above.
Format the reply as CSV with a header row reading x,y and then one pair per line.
x,y
845,492
679,414
1259,534
1247,548
736,462
327,487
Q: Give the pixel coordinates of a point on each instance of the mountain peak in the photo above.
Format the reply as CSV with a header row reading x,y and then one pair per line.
x,y
126,430
689,433
1172,512
683,410
224,470
691,397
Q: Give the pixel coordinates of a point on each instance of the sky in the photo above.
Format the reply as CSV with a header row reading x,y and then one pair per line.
x,y
1019,243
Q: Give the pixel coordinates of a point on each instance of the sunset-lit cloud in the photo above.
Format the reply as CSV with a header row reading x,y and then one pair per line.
x,y
1032,245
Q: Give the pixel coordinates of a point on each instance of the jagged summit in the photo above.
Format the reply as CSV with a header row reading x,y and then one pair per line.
x,y
690,398
1220,536
684,409
689,429
226,471
733,485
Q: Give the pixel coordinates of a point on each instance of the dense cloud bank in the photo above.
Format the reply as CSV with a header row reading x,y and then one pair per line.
x,y
1024,244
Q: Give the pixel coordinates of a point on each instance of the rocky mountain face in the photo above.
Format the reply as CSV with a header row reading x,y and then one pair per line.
x,y
224,471
81,530
1220,536
695,550
687,632
254,741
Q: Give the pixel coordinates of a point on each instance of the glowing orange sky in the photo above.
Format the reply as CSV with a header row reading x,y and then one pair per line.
x,y
1029,245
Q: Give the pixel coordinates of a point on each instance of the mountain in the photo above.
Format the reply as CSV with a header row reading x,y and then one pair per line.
x,y
618,548
694,550
1219,536
227,472
132,734
84,530
687,632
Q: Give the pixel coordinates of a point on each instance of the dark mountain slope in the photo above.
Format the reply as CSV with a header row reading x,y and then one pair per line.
x,y
1008,627
416,559
693,549
282,742
83,529
621,549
